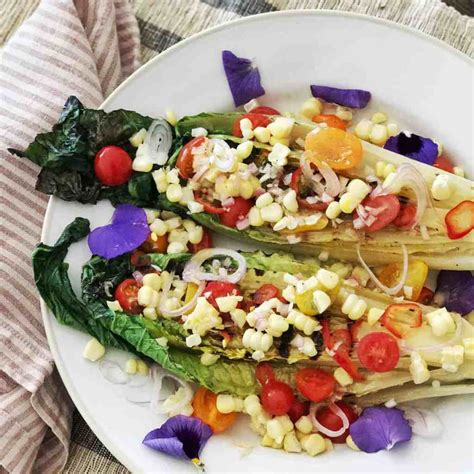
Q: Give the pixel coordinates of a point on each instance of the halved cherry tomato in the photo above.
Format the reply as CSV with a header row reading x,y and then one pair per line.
x,y
258,120
264,373
277,397
264,293
208,207
406,215
216,289
386,207
343,336
295,184
444,163
236,212
333,422
330,120
298,409
155,246
417,274
460,220
205,408
139,259
184,163
113,166
341,150
305,303
205,243
127,295
315,384
379,352
264,110
400,318
327,338
426,296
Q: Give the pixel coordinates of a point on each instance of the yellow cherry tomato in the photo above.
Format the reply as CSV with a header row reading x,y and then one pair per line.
x,y
305,303
191,290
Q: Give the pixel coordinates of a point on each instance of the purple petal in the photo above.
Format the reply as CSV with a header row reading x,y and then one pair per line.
x,y
413,146
455,291
243,78
180,436
128,230
354,98
380,428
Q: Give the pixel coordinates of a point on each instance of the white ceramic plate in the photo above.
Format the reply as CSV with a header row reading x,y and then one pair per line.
x,y
423,84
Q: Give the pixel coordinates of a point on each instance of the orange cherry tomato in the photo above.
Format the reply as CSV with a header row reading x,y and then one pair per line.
x,y
444,164
341,150
400,318
330,120
184,163
157,245
205,408
426,296
460,220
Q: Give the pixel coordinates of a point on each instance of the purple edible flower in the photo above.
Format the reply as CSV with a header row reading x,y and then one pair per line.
x,y
128,230
380,428
413,146
243,78
180,436
455,291
354,98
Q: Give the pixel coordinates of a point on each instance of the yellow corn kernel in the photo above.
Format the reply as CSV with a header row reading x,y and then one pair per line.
x,y
152,280
244,150
379,117
363,129
225,403
262,134
350,443
304,425
150,313
93,350
291,443
468,344
348,202
208,359
313,444
131,366
311,108
142,368
246,189
255,217
378,134
282,141
374,315
342,377
171,117
137,138
333,210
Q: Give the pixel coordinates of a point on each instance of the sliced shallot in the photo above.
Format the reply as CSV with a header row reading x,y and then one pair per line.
x,y
322,429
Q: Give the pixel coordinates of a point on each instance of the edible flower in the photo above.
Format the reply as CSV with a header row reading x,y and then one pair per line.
x,y
354,98
180,436
243,78
380,428
455,291
128,230
413,146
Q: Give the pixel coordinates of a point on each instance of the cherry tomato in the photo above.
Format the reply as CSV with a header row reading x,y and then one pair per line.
x,y
426,296
205,243
444,163
185,160
344,336
378,351
127,295
155,246
205,408
417,274
327,337
295,184
406,216
277,397
460,220
216,289
315,384
298,409
387,208
258,120
400,318
208,207
330,120
264,373
333,422
343,359
264,293
236,212
264,110
305,303
139,259
113,166
341,150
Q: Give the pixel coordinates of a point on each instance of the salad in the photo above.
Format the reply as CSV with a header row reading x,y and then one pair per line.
x,y
319,334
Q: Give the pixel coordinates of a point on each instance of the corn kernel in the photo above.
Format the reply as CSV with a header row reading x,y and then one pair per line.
x,y
378,134
350,443
93,350
264,200
374,315
311,108
281,127
329,445
159,176
452,357
244,150
278,155
441,322
363,129
379,117
255,217
195,235
272,213
159,227
333,210
344,113
142,368
304,425
246,189
226,304
131,366
342,377
174,193
267,441
114,305
252,405
262,134
468,344
328,279
147,296
246,124
440,189
152,280
176,247
277,325
291,443
138,138
321,300
348,202
198,132
290,202
193,340
313,444
150,313
418,368
392,129
208,359
225,403
281,141
358,310
162,341
358,188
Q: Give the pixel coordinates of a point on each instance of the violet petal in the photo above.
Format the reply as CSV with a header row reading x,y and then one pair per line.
x,y
243,78
180,436
413,146
380,428
455,291
354,98
128,230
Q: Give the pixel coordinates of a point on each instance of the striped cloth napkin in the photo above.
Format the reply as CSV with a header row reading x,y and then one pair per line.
x,y
85,48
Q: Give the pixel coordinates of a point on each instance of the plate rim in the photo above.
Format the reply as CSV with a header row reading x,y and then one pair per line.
x,y
46,314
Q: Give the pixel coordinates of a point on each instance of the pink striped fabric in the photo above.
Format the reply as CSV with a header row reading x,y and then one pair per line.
x,y
85,48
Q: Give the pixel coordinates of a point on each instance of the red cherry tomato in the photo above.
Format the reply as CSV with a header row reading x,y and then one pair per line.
x,y
460,220
387,209
315,384
296,186
127,295
264,373
343,335
139,259
258,120
426,296
444,163
184,163
330,120
216,289
297,410
378,351
113,166
406,215
208,207
400,318
264,110
264,293
277,397
205,243
236,212
333,422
